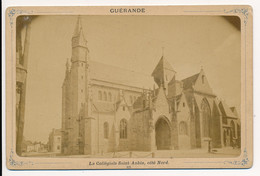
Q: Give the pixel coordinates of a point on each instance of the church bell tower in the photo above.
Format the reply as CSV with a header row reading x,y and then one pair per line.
x,y
79,44
79,66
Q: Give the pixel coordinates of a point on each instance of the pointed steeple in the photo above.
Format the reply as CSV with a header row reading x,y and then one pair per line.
x,y
78,38
78,27
79,44
163,72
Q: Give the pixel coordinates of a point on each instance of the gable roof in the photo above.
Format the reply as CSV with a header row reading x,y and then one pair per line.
x,y
225,110
138,103
113,74
234,110
161,92
120,102
188,82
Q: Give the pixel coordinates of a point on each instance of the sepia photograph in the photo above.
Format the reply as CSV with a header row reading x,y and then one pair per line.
x,y
129,86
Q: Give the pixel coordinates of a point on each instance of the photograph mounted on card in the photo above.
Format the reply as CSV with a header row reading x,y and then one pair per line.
x,y
129,87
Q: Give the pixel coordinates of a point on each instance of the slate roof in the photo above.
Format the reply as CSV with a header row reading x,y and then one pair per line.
x,y
162,64
138,103
103,107
178,99
234,110
78,32
225,110
113,74
188,82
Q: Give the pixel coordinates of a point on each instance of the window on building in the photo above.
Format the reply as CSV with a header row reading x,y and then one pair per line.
x,y
183,104
106,130
105,96
205,109
58,139
123,129
58,147
109,97
183,128
99,95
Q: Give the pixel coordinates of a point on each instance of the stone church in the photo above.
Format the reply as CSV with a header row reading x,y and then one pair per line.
x,y
108,109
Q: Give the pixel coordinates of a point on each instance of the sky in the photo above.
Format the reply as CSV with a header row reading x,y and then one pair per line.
x,y
134,43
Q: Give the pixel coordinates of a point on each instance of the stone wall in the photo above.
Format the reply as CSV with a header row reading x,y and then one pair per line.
x,y
139,131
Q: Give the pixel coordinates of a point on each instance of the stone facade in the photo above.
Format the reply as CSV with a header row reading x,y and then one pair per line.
x,y
108,109
28,146
54,143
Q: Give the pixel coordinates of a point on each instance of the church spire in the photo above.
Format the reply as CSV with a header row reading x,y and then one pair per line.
x,y
163,72
78,27
78,38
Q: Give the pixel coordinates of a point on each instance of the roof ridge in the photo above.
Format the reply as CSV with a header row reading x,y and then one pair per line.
x,y
188,82
120,68
197,74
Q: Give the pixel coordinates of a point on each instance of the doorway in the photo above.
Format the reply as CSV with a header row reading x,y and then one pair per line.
x,y
162,135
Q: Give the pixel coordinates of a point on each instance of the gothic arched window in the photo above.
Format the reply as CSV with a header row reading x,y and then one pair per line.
x,y
123,129
105,96
99,95
183,129
205,118
106,130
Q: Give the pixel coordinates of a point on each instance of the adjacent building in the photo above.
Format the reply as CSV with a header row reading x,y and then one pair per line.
x,y
29,146
106,108
23,28
54,143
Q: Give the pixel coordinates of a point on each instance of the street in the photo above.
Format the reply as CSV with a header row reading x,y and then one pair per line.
x,y
194,153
